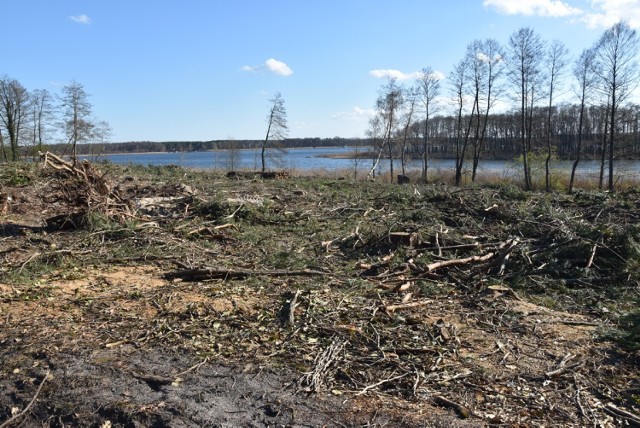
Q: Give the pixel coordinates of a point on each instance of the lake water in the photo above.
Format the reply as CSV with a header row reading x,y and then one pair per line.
x,y
308,159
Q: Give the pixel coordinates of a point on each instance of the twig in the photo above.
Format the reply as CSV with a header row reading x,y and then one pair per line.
x,y
29,260
391,308
577,397
230,216
563,367
196,367
26,409
593,255
391,379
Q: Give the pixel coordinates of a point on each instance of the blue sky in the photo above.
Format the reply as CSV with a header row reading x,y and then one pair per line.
x,y
205,69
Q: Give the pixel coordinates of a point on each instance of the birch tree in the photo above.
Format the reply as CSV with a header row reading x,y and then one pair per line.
x,y
388,106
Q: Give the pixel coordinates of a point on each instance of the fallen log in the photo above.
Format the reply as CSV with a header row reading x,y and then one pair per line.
x,y
225,274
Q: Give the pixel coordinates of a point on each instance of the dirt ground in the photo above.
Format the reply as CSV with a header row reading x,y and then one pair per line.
x,y
307,302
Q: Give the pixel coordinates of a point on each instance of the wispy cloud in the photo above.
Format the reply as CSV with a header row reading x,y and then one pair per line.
x,y
271,65
394,74
438,75
605,13
548,8
356,114
400,75
81,19
592,13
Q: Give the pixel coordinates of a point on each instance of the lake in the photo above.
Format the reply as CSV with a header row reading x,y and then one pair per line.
x,y
309,158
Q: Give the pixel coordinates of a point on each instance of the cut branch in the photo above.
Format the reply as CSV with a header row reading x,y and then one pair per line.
x,y
463,411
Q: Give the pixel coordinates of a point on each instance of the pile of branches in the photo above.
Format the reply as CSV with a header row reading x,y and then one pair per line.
x,y
87,190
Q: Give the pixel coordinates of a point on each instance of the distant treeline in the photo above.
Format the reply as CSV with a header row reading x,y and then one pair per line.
x,y
200,146
503,134
500,142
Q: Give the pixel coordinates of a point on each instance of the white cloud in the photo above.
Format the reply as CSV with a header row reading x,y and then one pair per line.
x,y
606,13
482,57
81,19
278,67
272,65
394,74
548,8
357,114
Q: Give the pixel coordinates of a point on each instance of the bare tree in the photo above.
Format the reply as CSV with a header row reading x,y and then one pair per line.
x,y
276,126
458,79
14,105
407,119
583,73
102,132
617,67
356,161
526,51
429,90
388,106
41,112
77,123
233,154
486,59
556,63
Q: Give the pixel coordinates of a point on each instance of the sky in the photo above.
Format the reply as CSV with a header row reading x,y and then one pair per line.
x,y
168,70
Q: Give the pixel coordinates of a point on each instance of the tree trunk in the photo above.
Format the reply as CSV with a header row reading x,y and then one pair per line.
x,y
603,155
612,130
574,167
425,148
264,144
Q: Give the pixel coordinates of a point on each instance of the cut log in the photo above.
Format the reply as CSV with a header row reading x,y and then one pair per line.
x,y
405,239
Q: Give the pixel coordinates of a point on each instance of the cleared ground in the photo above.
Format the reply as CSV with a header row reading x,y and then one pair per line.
x,y
186,298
